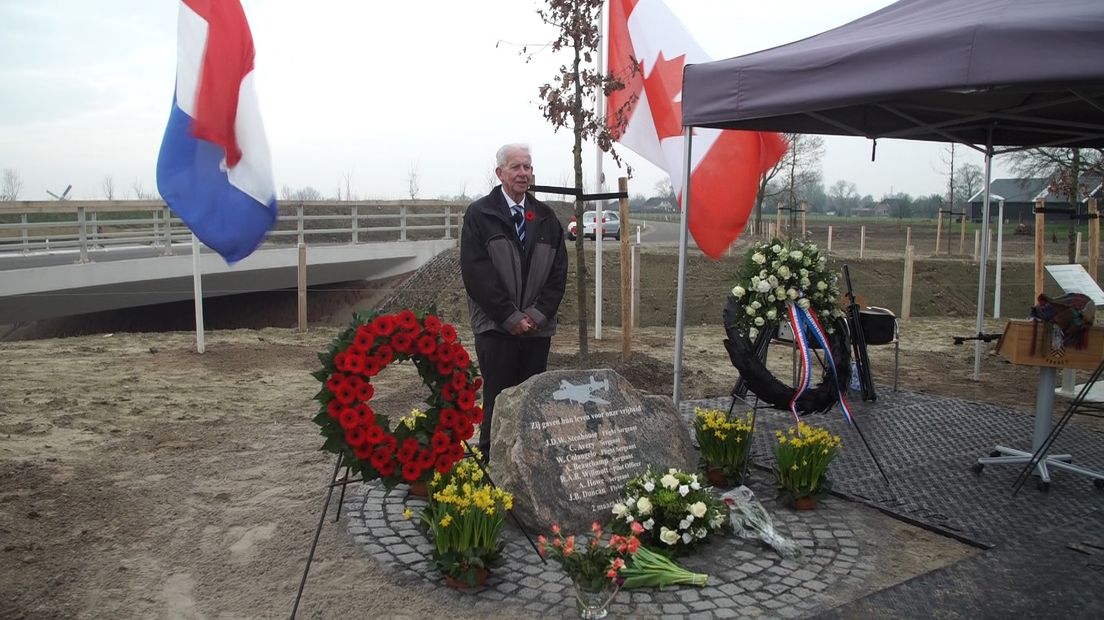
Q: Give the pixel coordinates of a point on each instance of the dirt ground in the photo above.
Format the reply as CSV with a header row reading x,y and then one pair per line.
x,y
140,479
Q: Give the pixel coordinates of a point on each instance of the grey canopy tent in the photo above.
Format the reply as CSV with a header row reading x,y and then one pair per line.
x,y
986,73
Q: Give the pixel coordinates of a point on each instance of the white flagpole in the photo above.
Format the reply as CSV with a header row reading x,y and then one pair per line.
x,y
683,242
197,286
599,181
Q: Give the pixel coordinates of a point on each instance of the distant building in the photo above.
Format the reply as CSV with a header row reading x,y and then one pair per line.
x,y
1020,196
879,210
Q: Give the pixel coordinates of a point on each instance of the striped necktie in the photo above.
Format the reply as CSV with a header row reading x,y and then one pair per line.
x,y
519,222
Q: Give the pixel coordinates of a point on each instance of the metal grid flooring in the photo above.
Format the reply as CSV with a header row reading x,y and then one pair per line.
x,y
1046,556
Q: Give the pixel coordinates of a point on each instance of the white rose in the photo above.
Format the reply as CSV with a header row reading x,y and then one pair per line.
x,y
777,249
805,282
738,291
668,536
822,285
684,524
762,274
700,532
758,258
752,333
773,281
698,509
811,248
763,286
686,538
644,505
772,314
759,321
750,310
684,490
756,305
669,481
694,484
783,272
791,293
771,298
780,292
796,255
619,510
804,273
649,486
649,524
803,303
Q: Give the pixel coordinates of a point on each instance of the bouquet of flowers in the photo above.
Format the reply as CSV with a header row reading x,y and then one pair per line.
x,y
781,271
594,565
724,442
427,441
675,510
803,455
464,517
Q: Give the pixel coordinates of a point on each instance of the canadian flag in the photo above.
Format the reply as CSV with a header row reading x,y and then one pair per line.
x,y
725,166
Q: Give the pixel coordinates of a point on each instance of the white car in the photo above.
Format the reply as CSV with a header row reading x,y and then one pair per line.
x,y
611,225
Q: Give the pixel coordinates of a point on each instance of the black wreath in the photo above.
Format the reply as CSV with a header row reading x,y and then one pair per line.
x,y
767,387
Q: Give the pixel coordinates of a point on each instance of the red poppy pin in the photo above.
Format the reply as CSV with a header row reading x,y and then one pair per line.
x,y
530,216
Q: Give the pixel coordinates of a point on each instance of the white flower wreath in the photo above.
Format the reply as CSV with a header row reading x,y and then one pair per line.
x,y
780,271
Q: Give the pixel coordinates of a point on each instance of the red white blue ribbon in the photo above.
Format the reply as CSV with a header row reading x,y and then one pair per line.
x,y
802,319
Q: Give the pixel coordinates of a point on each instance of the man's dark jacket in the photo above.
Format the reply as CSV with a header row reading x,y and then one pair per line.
x,y
505,280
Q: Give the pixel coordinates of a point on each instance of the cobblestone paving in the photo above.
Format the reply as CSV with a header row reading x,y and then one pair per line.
x,y
926,444
746,579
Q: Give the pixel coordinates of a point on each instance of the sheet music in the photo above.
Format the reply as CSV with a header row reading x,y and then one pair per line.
x,y
1074,279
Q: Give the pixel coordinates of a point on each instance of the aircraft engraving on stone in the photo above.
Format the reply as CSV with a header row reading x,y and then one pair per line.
x,y
582,393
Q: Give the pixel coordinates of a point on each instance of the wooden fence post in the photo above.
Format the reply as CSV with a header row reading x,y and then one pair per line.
x,y
906,284
1077,249
862,240
962,236
977,244
829,239
938,230
636,286
626,272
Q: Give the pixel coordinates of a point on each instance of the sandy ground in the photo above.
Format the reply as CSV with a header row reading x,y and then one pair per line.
x,y
140,479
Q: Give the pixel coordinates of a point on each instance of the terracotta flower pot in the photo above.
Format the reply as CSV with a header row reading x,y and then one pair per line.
x,y
459,584
418,488
716,477
804,503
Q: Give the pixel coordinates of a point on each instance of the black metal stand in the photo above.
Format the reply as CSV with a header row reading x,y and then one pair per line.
x,y
858,342
317,533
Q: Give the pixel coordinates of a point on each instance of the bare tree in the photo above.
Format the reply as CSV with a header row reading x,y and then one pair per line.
x,y
666,191
12,186
347,176
844,196
412,180
140,193
108,187
968,180
793,176
578,31
1064,168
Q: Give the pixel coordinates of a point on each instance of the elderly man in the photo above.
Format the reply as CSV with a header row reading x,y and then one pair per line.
x,y
514,263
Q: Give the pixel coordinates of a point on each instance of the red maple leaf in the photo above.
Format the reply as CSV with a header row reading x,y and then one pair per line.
x,y
663,86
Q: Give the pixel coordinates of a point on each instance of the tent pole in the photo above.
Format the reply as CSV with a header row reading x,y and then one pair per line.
x,y
680,302
984,263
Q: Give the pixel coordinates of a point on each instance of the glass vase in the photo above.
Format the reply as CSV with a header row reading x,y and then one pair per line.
x,y
592,602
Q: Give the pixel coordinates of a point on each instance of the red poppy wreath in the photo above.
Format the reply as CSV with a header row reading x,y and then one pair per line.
x,y
420,443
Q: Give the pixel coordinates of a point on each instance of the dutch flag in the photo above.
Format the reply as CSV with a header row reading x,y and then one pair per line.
x,y
214,169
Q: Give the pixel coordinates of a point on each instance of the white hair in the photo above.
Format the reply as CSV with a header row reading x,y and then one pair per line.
x,y
500,157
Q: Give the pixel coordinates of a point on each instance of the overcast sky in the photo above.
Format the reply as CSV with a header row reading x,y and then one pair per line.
x,y
364,89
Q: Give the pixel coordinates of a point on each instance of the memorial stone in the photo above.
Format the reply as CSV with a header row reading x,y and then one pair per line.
x,y
565,442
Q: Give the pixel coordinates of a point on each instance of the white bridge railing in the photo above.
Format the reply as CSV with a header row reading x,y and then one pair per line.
x,y
85,227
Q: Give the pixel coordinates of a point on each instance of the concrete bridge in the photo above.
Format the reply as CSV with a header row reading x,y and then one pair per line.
x,y
60,258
